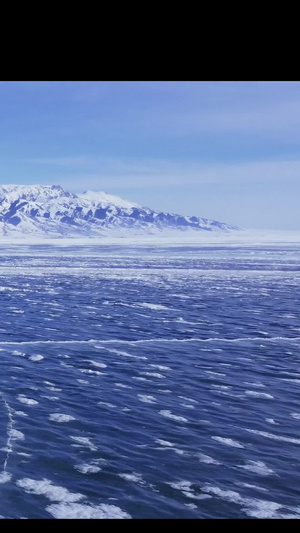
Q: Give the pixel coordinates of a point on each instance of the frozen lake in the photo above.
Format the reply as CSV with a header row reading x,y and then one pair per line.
x,y
149,382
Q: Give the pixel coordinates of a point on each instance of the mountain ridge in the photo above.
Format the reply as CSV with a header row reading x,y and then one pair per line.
x,y
51,210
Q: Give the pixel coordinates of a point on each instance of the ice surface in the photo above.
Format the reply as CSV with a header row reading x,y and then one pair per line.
x,y
211,414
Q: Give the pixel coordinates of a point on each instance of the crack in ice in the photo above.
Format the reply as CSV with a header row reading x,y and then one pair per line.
x,y
5,475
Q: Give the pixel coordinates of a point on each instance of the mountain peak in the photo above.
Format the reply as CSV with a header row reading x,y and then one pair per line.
x,y
51,210
104,198
11,191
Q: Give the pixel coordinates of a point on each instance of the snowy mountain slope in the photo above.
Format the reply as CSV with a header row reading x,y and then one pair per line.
x,y
50,210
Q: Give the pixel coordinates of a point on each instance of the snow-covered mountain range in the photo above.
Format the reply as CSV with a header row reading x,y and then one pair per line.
x,y
51,210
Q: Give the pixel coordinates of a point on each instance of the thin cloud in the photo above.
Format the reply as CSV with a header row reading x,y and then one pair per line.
x,y
279,120
58,161
115,173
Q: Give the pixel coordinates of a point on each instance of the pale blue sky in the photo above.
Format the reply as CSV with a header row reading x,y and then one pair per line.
x,y
223,150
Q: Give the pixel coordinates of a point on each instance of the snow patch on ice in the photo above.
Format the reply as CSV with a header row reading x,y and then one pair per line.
x,y
135,477
5,477
161,367
164,442
207,459
84,442
146,399
99,365
258,467
28,401
36,357
60,417
16,435
228,442
169,414
153,306
86,511
186,488
90,468
253,507
154,375
295,415
259,394
274,437
271,421
46,488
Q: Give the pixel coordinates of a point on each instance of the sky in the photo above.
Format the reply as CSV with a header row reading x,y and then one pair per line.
x,y
224,150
